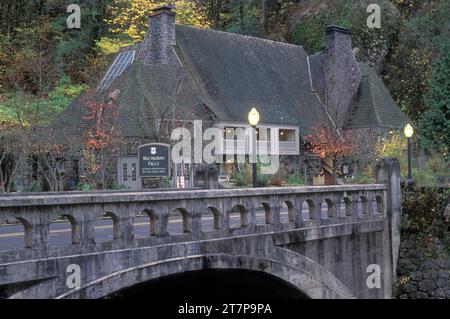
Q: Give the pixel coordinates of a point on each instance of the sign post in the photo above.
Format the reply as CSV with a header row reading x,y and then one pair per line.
x,y
154,160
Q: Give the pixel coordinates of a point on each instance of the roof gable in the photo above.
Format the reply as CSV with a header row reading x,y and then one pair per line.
x,y
373,105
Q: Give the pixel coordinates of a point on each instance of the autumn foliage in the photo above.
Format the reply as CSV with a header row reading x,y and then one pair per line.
x,y
101,117
326,142
102,140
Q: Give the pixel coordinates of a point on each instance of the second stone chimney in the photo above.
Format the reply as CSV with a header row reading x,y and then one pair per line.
x,y
160,39
342,72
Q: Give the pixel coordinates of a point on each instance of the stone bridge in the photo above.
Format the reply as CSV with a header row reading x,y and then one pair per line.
x,y
324,248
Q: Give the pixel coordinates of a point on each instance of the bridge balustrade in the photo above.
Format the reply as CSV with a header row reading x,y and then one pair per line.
x,y
231,213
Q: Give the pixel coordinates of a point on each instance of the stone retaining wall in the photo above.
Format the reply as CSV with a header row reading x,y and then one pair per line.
x,y
424,263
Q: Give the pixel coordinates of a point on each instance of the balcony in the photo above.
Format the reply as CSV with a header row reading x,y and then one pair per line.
x,y
239,147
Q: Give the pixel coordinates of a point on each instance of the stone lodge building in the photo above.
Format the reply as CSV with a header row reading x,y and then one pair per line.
x,y
179,74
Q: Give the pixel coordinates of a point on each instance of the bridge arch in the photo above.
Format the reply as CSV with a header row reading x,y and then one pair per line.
x,y
347,205
115,223
26,228
379,204
312,211
290,209
74,227
243,215
217,217
268,215
329,207
185,217
306,275
363,204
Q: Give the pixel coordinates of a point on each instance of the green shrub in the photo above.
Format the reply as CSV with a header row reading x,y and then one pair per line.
x,y
310,33
361,178
405,223
242,177
165,182
117,187
395,146
296,180
85,187
33,187
262,180
424,177
423,207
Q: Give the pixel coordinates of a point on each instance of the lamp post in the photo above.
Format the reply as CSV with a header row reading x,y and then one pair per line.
x,y
409,132
253,119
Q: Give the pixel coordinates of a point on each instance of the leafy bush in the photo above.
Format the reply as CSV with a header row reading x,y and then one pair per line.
x,y
422,207
366,177
405,223
33,187
435,122
395,146
117,187
262,180
296,180
165,182
310,33
85,187
424,177
244,175
241,176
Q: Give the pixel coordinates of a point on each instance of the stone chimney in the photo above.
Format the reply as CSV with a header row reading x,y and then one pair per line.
x,y
160,39
342,73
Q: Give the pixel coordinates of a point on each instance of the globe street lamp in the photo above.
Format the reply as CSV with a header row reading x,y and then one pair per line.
x,y
253,119
409,132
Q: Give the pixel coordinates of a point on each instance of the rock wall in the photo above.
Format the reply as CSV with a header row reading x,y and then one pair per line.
x,y
424,265
425,276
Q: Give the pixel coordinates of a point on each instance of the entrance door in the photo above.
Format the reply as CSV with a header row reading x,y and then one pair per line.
x,y
128,172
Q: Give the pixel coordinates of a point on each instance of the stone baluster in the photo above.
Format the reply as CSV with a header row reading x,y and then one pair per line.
x,y
36,229
276,210
85,217
298,214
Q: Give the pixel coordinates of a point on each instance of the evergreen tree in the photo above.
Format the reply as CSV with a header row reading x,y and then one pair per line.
x,y
435,123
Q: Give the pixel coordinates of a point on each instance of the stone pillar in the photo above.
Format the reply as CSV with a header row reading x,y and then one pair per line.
x,y
126,230
252,208
39,236
276,209
212,177
298,213
196,226
388,173
85,216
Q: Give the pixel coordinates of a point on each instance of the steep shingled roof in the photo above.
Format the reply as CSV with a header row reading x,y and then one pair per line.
x,y
226,74
316,68
373,106
237,72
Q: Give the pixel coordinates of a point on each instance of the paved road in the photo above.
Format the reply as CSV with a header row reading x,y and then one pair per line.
x,y
12,236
